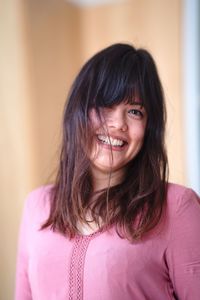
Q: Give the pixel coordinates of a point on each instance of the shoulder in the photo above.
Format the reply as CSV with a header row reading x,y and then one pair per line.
x,y
181,198
177,193
41,192
38,201
182,253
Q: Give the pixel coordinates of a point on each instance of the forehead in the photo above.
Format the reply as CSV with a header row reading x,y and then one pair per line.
x,y
109,102
136,100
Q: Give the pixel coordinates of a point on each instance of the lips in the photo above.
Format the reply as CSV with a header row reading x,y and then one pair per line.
x,y
111,141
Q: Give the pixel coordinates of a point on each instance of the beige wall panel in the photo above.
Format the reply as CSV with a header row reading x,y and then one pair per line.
x,y
54,48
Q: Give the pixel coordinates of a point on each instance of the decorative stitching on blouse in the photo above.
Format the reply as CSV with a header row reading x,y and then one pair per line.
x,y
80,268
72,279
77,266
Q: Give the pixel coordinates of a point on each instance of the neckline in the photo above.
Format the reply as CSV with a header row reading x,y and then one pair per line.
x,y
93,234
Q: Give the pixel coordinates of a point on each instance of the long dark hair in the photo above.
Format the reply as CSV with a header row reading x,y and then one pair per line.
x,y
115,74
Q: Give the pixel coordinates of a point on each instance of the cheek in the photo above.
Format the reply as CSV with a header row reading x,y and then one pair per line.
x,y
137,128
138,133
94,119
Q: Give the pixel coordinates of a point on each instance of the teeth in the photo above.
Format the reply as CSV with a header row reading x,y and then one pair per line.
x,y
110,140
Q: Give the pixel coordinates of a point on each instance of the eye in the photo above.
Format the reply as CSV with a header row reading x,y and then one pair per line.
x,y
136,113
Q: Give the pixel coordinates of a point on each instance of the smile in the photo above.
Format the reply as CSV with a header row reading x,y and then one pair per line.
x,y
111,141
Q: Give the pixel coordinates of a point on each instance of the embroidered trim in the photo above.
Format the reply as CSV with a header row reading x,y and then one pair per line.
x,y
72,280
77,267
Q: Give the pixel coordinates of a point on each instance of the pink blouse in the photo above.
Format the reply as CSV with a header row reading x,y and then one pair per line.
x,y
102,266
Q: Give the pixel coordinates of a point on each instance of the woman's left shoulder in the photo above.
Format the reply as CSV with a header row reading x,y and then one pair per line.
x,y
182,254
181,197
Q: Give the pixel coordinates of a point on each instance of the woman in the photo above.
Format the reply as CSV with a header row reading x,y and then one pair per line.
x,y
112,227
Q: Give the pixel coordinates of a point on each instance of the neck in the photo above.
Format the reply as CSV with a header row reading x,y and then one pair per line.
x,y
104,180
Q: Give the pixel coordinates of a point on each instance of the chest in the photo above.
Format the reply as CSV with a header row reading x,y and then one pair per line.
x,y
104,261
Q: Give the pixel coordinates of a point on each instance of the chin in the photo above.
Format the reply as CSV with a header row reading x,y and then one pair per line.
x,y
107,169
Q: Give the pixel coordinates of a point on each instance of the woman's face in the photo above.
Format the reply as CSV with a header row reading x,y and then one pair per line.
x,y
122,130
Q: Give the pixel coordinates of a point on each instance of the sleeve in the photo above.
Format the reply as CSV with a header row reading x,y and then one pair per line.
x,y
183,252
22,288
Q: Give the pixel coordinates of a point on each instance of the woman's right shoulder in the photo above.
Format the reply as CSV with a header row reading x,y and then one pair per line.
x,y
38,200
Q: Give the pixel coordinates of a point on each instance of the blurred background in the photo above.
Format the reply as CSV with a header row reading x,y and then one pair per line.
x,y
43,45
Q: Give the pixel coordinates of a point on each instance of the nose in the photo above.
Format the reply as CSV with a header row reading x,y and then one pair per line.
x,y
117,120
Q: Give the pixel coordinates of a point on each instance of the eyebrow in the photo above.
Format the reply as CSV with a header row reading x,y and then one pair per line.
x,y
137,104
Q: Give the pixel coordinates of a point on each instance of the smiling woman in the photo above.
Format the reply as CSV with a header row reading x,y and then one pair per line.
x,y
111,227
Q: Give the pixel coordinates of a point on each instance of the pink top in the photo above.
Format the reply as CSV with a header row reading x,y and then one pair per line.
x,y
101,266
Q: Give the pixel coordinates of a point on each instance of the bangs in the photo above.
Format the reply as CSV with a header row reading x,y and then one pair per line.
x,y
120,81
